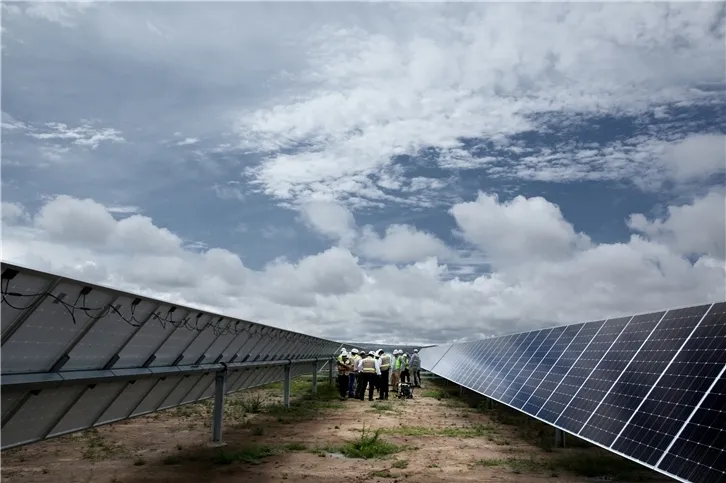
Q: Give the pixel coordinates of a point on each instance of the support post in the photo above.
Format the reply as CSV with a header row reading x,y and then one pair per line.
x,y
461,390
286,390
559,438
315,378
330,371
220,383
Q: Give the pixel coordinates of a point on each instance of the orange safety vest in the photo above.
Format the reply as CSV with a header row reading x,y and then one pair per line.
x,y
385,362
369,365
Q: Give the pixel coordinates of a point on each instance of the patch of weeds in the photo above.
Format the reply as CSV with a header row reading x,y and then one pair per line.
x,y
383,407
369,445
400,464
516,465
489,462
323,450
296,447
97,447
251,454
474,431
252,403
438,394
382,474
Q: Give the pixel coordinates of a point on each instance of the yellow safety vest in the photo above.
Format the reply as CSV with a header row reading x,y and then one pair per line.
x,y
369,365
385,362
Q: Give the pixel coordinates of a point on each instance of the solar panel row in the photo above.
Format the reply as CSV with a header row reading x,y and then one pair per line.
x,y
650,387
76,355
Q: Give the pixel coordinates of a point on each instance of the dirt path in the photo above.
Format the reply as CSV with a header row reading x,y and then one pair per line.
x,y
437,437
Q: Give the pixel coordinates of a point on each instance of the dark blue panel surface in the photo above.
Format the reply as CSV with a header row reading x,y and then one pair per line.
x,y
699,453
515,364
530,399
470,364
486,361
680,388
612,364
644,370
539,348
571,383
498,360
478,361
558,372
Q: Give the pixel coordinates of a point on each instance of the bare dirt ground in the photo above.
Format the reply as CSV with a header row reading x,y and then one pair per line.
x,y
436,437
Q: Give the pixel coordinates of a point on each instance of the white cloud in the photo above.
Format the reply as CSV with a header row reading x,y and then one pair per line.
x,y
13,213
231,190
84,135
329,219
187,141
477,71
548,273
696,157
522,230
400,244
693,229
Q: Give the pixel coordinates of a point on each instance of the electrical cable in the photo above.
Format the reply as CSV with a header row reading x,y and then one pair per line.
x,y
190,323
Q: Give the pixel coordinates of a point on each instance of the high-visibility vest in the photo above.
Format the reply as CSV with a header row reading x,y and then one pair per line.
x,y
369,365
397,364
385,362
343,367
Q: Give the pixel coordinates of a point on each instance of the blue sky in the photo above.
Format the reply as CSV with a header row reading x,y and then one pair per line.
x,y
496,143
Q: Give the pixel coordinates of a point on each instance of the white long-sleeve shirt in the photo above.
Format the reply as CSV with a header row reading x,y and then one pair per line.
x,y
359,367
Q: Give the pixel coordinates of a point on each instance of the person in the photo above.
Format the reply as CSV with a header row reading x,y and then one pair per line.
x,y
385,370
343,371
368,369
405,374
352,377
415,367
396,370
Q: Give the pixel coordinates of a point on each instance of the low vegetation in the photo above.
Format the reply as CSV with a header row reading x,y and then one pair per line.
x,y
369,445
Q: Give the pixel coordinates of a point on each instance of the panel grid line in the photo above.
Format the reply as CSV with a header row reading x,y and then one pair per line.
x,y
625,370
573,365
675,356
547,334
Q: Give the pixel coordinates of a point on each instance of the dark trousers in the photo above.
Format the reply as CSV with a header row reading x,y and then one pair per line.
x,y
368,380
406,376
343,385
383,385
417,377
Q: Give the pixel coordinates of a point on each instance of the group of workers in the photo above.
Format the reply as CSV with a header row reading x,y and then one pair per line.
x,y
376,370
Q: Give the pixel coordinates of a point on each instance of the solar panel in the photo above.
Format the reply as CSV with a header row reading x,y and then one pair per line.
x,y
77,355
649,387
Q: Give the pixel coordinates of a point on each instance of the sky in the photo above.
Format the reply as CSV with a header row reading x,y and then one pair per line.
x,y
384,172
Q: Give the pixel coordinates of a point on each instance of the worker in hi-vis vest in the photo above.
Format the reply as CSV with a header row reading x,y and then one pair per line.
x,y
385,360
396,370
405,373
344,368
369,369
353,376
415,366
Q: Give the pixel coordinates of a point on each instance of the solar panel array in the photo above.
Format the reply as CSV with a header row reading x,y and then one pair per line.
x,y
649,387
76,355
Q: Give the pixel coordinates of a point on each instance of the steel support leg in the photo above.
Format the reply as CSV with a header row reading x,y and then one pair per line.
x,y
286,390
315,378
330,371
220,383
559,438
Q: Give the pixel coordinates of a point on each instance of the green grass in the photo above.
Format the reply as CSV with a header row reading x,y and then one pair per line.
x,y
400,464
97,447
474,431
383,407
438,394
296,447
369,445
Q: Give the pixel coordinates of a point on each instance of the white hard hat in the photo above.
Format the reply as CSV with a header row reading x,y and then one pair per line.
x,y
379,351
371,353
354,351
342,350
415,350
395,352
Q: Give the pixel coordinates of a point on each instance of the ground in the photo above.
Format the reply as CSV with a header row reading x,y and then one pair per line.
x,y
438,436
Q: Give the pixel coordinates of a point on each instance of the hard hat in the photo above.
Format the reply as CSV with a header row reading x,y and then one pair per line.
x,y
342,350
415,350
371,353
380,351
354,351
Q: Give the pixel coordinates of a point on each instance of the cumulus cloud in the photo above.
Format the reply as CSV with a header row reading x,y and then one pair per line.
x,y
519,231
400,244
691,229
483,72
696,157
329,219
335,294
